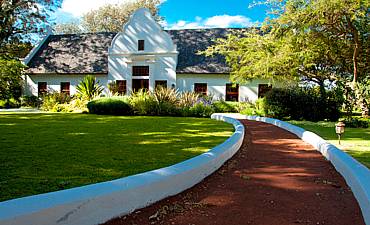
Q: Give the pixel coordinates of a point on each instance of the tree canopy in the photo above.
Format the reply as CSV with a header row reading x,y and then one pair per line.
x,y
108,18
22,17
312,40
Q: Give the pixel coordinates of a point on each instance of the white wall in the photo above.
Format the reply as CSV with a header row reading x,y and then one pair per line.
x,y
216,85
159,53
54,80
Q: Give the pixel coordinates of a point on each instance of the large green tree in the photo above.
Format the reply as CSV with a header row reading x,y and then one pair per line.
x,y
315,40
21,17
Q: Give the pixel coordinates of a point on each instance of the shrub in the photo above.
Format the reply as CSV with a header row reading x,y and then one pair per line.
x,y
9,103
143,103
110,106
356,122
166,101
188,99
225,107
51,101
253,109
30,101
302,103
2,104
199,110
89,88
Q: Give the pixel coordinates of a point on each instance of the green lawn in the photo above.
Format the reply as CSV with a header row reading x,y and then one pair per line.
x,y
355,141
48,152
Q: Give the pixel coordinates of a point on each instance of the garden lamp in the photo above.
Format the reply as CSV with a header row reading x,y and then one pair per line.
x,y
339,129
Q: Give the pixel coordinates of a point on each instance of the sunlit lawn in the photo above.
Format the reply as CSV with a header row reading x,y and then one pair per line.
x,y
355,141
48,152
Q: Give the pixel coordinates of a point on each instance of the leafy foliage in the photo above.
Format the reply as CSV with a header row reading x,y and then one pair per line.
x,y
89,88
303,103
188,99
311,40
55,102
72,27
21,17
356,122
110,106
11,71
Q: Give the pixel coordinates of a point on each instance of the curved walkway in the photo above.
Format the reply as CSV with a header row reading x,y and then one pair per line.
x,y
274,179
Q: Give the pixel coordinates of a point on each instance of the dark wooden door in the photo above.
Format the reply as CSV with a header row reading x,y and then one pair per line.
x,y
138,84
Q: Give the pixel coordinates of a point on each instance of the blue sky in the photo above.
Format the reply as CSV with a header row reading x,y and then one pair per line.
x,y
180,14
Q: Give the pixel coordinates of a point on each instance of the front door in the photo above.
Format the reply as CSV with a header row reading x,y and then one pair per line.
x,y
138,84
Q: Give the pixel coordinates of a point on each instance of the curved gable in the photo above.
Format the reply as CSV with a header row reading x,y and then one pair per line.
x,y
142,26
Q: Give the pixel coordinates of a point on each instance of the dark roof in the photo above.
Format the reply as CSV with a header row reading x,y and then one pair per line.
x,y
88,53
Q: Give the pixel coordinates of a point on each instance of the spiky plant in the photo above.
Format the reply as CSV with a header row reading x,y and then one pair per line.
x,y
188,99
168,95
89,88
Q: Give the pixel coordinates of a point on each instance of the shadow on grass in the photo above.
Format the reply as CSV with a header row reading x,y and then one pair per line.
x,y
49,152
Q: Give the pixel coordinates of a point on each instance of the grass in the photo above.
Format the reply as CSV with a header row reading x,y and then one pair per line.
x,y
49,152
355,141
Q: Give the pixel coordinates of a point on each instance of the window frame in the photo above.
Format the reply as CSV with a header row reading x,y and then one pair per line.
x,y
201,90
232,95
140,45
138,71
42,91
121,87
162,83
65,91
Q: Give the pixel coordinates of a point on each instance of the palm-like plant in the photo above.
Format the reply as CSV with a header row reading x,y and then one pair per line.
x,y
89,88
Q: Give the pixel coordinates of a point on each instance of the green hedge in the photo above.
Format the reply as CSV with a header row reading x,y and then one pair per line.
x,y
110,106
303,104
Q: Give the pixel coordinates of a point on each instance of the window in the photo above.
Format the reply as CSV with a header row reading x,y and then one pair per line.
x,y
232,92
138,84
121,87
200,88
141,45
161,83
64,88
263,89
140,71
42,88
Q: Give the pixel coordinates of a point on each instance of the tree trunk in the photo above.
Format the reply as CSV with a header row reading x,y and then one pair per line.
x,y
356,50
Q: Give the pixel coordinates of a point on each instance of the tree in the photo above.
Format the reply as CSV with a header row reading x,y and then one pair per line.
x,y
314,40
68,28
11,71
110,18
20,17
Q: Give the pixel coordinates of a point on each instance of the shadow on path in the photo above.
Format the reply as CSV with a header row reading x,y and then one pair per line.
x,y
274,179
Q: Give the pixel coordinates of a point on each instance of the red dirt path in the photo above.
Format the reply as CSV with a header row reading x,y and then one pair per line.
x,y
274,179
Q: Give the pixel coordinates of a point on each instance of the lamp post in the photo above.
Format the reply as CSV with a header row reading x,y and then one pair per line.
x,y
339,129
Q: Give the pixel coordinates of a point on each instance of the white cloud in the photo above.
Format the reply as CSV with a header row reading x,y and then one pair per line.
x,y
221,21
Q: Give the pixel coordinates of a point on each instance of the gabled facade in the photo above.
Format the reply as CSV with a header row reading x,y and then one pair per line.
x,y
143,55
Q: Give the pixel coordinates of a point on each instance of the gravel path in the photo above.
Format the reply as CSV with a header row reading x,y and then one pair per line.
x,y
274,179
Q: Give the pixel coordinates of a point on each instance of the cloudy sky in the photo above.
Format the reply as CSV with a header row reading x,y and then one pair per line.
x,y
181,14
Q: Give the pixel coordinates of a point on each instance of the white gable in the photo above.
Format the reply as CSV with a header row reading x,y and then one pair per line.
x,y
142,26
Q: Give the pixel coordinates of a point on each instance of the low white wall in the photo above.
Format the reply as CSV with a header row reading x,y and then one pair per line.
x,y
356,175
97,203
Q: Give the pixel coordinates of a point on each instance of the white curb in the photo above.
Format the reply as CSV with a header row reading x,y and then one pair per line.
x,y
97,203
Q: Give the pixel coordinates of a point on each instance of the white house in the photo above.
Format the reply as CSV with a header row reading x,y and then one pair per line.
x,y
143,55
